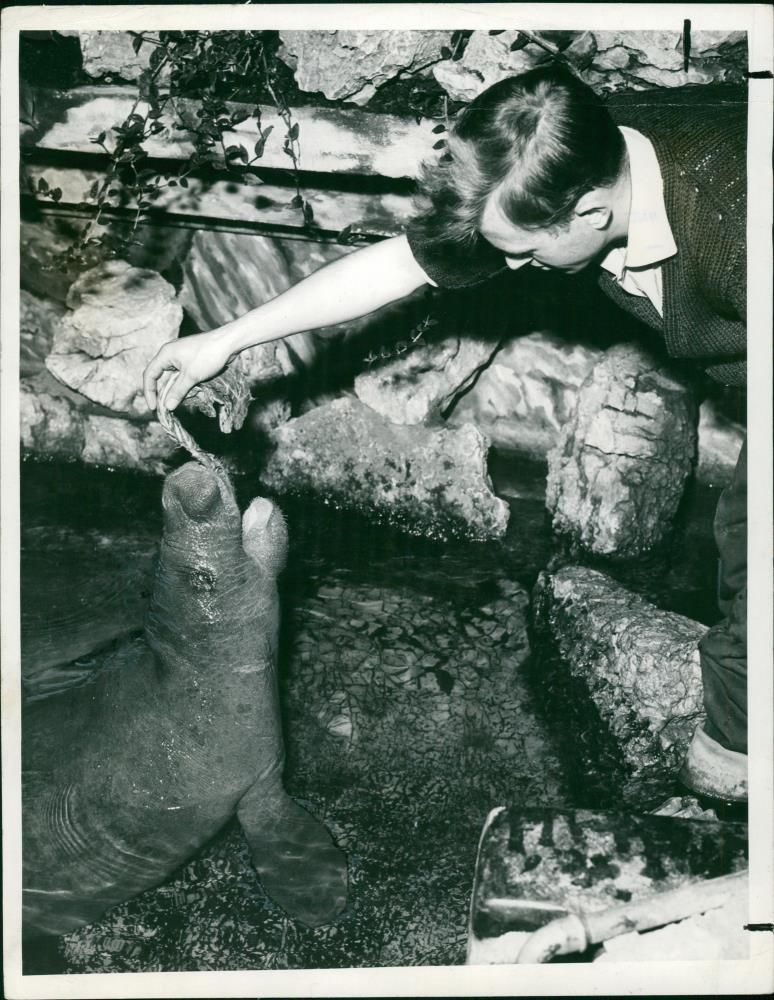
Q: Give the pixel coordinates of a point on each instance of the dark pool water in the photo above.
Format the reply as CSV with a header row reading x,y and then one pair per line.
x,y
411,702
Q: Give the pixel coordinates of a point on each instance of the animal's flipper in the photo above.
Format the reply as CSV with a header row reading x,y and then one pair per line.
x,y
299,865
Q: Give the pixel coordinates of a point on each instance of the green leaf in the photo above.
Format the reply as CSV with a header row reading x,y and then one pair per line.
x,y
308,213
183,182
137,42
345,236
239,116
439,128
445,52
56,194
519,42
293,133
296,202
440,144
42,185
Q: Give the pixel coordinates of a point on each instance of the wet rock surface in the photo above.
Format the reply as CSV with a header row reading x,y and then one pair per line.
x,y
617,474
120,317
418,387
638,665
426,480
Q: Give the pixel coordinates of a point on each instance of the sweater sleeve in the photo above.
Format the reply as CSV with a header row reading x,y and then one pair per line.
x,y
450,266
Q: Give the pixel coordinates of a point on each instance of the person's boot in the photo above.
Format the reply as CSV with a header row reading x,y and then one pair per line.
x,y
711,770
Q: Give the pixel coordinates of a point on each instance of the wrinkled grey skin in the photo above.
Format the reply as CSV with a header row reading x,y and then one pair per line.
x,y
125,778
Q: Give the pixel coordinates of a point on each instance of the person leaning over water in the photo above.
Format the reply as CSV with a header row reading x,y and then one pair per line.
x,y
648,188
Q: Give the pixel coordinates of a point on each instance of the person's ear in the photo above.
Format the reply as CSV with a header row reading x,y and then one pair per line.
x,y
595,210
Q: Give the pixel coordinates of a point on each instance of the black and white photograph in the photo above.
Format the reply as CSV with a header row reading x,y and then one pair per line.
x,y
377,409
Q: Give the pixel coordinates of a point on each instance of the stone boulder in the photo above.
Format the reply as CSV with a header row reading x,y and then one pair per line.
x,y
351,65
418,386
428,481
617,474
111,54
641,59
38,321
522,399
120,317
639,664
56,422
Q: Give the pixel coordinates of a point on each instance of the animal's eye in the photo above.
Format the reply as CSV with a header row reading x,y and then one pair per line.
x,y
203,578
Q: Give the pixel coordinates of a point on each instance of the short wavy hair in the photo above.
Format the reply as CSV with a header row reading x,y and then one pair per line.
x,y
537,141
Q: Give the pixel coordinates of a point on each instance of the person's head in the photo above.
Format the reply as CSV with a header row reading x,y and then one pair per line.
x,y
535,165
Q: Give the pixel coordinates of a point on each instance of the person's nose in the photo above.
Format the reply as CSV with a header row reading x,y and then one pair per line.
x,y
514,263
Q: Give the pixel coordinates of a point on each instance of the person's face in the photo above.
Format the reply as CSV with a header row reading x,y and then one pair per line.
x,y
568,249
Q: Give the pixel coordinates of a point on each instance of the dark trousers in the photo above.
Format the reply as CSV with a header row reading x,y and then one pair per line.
x,y
723,649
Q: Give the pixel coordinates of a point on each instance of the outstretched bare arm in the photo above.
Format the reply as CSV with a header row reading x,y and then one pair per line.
x,y
346,289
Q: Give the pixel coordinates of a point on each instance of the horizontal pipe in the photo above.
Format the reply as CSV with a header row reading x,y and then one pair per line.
x,y
576,932
175,220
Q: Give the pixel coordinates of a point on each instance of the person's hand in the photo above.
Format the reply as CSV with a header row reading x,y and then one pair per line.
x,y
190,360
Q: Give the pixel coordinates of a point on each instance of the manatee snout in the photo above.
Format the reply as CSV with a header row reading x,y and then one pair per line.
x,y
194,493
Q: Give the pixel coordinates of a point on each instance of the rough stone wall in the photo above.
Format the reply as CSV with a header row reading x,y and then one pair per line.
x,y
351,66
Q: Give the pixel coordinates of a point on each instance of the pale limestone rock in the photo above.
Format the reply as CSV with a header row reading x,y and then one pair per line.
x,y
56,422
120,317
113,441
528,392
639,60
110,53
351,65
617,474
38,320
486,60
639,664
430,481
419,385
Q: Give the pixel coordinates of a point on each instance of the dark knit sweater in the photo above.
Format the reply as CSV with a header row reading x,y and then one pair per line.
x,y
699,135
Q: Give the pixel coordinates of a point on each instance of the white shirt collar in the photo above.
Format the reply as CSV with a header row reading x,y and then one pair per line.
x,y
649,239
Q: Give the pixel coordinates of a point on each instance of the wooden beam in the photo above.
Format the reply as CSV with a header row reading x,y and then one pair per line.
x,y
332,140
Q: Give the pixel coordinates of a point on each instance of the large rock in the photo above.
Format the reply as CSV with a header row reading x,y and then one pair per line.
x,y
56,423
486,60
422,480
350,65
616,477
111,54
639,664
527,393
120,317
419,385
641,59
38,321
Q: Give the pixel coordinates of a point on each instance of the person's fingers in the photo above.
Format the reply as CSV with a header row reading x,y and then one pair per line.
x,y
156,366
175,390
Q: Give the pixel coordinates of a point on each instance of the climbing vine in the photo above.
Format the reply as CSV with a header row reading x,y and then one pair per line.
x,y
210,70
